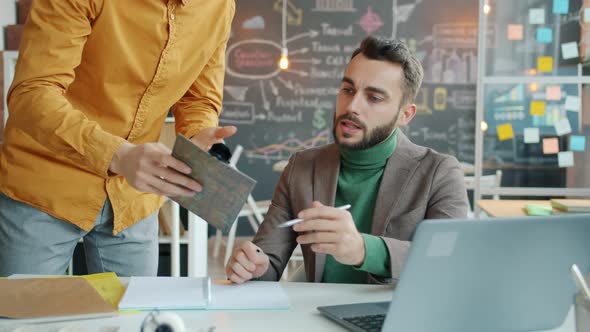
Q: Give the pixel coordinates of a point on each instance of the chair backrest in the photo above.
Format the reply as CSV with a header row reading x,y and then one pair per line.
x,y
485,181
233,161
235,156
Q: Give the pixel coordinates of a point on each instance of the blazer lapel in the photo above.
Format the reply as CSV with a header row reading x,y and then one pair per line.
x,y
325,180
398,170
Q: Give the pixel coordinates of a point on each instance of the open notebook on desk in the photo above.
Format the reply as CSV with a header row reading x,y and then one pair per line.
x,y
185,293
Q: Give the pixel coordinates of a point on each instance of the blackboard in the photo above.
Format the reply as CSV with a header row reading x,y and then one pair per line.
x,y
280,112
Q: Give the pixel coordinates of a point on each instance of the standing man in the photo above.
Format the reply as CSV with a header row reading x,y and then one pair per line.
x,y
391,183
94,82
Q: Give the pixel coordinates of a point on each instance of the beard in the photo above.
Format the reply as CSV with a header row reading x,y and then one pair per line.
x,y
370,138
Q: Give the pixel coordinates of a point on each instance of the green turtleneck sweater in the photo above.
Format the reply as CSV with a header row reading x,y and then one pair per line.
x,y
358,184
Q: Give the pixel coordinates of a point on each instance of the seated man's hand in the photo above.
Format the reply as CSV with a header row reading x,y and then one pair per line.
x,y
150,167
247,262
209,136
331,231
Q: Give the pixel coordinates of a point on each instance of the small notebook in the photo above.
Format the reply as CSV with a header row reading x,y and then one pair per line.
x,y
537,210
166,293
225,189
572,205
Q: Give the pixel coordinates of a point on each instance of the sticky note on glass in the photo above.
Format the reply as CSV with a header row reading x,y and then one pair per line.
x,y
586,15
573,103
545,64
553,92
537,108
577,143
550,145
565,159
515,32
531,135
563,127
544,35
505,131
570,50
537,16
561,6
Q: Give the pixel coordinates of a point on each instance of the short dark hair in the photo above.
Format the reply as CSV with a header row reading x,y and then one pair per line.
x,y
395,51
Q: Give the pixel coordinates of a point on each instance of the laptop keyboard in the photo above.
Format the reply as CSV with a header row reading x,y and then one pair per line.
x,y
369,323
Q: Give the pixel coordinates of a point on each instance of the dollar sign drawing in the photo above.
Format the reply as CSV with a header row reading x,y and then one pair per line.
x,y
319,119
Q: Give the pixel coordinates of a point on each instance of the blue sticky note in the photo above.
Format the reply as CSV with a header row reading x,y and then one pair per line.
x,y
561,6
577,143
544,35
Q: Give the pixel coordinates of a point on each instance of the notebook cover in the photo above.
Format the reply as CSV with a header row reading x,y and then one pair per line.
x,y
225,189
50,297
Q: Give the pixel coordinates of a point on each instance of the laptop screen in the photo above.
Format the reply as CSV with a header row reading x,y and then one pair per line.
x,y
490,275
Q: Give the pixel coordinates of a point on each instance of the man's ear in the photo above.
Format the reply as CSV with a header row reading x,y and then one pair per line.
x,y
408,112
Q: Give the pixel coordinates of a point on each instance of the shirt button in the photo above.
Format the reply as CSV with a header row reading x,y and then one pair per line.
x,y
172,17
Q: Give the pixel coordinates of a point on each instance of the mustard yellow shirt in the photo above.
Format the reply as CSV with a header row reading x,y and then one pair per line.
x,y
94,73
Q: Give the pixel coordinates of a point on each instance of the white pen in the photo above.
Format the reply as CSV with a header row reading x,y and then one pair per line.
x,y
298,220
580,282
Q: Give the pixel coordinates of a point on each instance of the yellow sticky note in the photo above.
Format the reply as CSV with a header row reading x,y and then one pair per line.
x,y
505,131
109,287
545,64
537,107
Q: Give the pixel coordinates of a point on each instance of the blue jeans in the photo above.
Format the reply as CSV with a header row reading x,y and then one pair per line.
x,y
33,242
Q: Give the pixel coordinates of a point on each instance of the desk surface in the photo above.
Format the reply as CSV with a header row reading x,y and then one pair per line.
x,y
507,208
302,316
305,297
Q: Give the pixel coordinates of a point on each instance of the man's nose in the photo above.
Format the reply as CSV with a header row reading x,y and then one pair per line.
x,y
356,104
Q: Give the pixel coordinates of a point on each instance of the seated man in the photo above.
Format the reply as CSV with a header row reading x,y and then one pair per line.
x,y
391,183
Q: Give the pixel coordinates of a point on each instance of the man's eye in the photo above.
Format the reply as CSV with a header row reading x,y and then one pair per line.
x,y
347,90
375,99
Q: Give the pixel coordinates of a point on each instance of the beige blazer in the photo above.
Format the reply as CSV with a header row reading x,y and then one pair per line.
x,y
418,183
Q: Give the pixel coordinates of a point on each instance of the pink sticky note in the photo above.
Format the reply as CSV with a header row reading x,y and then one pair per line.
x,y
515,32
550,145
553,92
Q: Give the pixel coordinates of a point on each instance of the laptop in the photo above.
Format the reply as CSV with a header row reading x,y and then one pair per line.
x,y
509,274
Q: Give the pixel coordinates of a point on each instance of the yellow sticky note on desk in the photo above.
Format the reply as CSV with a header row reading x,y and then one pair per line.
x,y
545,64
537,107
505,131
108,286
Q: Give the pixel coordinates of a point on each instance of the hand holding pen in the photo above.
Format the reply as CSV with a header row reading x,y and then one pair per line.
x,y
332,231
298,220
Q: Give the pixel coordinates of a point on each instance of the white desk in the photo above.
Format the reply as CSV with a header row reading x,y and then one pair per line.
x,y
302,316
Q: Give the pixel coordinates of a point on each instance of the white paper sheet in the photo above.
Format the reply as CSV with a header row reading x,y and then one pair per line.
x,y
572,103
563,127
531,135
249,296
167,293
537,16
